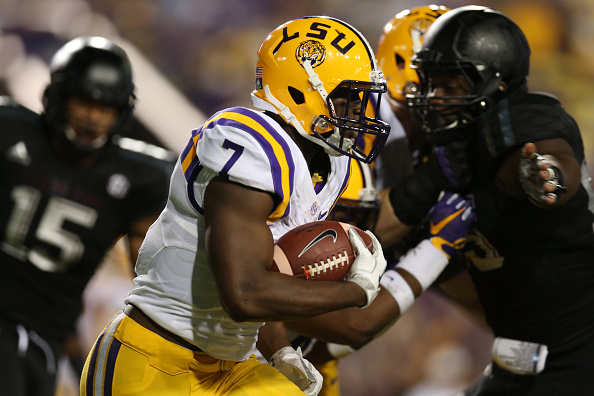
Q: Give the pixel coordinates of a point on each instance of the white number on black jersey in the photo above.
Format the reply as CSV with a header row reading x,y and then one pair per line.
x,y
49,231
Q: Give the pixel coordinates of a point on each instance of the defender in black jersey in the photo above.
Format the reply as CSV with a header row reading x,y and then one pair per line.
x,y
71,187
520,158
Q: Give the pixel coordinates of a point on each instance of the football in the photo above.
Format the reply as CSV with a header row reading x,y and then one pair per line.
x,y
317,251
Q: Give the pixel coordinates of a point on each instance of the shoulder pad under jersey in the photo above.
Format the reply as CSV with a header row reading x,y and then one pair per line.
x,y
247,147
9,107
138,146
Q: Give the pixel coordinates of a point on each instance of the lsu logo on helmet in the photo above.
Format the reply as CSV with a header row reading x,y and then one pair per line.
x,y
311,50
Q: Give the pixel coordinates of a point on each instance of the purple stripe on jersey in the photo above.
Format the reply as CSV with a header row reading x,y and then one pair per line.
x,y
266,146
92,365
193,169
112,356
319,186
190,145
190,176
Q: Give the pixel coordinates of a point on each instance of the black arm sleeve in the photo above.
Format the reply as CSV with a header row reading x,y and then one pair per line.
x,y
413,198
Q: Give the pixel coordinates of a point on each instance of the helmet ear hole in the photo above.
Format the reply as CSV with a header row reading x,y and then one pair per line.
x,y
296,95
399,61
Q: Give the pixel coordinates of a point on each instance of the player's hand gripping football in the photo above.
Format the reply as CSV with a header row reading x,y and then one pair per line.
x,y
367,267
449,222
300,371
540,179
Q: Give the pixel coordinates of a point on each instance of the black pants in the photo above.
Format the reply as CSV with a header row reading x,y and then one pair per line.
x,y
566,374
28,363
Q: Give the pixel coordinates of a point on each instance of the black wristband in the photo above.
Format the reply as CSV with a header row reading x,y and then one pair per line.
x,y
413,198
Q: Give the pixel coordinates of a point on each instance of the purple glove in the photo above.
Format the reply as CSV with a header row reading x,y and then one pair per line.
x,y
449,222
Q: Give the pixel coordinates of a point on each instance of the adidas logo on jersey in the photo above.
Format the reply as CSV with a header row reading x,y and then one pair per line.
x,y
19,154
118,186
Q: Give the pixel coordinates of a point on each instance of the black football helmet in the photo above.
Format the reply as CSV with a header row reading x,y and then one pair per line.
x,y
480,44
90,68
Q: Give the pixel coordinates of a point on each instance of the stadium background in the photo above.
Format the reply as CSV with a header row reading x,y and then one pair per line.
x,y
191,58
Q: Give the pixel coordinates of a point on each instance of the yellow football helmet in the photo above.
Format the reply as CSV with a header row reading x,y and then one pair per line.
x,y
360,203
306,67
401,38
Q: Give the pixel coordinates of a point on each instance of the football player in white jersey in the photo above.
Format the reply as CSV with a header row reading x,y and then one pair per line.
x,y
246,177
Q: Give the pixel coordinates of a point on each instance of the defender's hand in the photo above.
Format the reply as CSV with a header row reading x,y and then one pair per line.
x,y
367,268
540,179
449,222
300,371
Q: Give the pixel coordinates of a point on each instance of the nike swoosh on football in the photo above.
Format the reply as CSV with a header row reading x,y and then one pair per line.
x,y
322,235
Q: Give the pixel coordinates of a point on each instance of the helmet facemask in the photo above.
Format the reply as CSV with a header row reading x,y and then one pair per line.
x,y
348,105
449,99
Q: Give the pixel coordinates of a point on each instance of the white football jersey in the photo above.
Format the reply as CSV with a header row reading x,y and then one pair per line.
x,y
175,285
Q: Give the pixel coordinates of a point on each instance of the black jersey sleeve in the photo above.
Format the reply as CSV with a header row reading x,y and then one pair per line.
x,y
527,117
151,168
12,116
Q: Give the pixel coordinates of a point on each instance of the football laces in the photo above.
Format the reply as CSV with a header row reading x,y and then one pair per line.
x,y
319,269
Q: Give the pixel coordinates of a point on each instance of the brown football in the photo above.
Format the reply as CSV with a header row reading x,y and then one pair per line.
x,y
318,251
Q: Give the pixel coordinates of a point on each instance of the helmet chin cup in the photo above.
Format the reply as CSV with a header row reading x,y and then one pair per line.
x,y
67,137
73,137
337,144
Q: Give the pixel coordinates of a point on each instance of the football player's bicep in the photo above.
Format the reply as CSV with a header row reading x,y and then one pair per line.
x,y
238,240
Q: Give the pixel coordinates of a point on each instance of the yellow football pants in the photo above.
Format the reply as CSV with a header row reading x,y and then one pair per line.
x,y
128,359
329,371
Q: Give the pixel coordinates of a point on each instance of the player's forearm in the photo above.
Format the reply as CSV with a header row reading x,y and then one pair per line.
x,y
277,297
354,327
389,229
272,337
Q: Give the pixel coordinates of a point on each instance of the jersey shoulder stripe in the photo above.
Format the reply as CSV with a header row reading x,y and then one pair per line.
x,y
191,167
237,129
